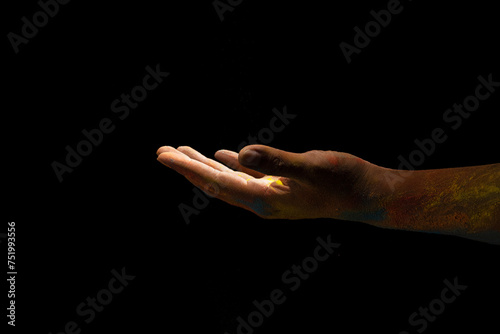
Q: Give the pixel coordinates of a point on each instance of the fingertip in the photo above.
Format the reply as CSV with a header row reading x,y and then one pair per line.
x,y
184,148
254,147
228,158
165,158
270,160
164,149
160,150
249,157
224,152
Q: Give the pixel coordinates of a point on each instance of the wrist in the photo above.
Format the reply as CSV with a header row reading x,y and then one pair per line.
x,y
366,199
375,192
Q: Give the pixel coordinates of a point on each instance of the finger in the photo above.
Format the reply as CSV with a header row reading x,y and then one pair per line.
x,y
272,161
190,168
193,154
230,159
165,149
227,186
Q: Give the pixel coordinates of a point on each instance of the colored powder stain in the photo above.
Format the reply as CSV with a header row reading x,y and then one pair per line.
x,y
477,191
463,193
459,204
279,182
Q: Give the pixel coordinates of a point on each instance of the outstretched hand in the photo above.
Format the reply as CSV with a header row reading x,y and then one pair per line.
x,y
277,184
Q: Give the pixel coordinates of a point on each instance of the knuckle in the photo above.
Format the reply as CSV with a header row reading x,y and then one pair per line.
x,y
277,162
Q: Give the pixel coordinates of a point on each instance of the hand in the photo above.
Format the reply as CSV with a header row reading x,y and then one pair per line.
x,y
279,184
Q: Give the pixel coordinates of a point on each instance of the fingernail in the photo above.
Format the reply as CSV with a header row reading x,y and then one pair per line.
x,y
250,158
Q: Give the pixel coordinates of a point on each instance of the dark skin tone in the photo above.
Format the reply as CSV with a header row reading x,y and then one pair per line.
x,y
326,184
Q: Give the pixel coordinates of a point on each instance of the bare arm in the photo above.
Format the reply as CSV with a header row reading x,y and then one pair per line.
x,y
457,201
326,184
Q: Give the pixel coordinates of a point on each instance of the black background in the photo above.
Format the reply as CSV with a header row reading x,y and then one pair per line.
x,y
119,207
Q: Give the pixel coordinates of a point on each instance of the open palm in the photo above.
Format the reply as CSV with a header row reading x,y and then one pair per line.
x,y
287,185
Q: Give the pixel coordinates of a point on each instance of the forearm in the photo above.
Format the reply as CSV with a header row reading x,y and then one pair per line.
x,y
457,201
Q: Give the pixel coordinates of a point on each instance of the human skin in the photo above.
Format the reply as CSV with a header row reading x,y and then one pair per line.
x,y
274,184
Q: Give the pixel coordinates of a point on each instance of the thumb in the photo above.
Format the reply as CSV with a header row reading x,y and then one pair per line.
x,y
272,161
